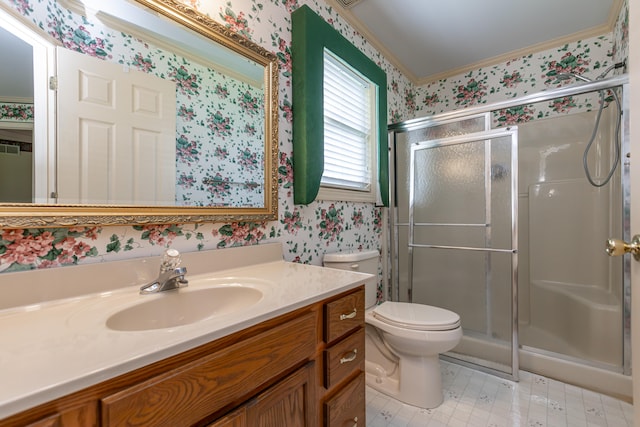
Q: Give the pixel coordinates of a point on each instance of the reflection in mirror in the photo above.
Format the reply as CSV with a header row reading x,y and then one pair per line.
x,y
16,119
150,113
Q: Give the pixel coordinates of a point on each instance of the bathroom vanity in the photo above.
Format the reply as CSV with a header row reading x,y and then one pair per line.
x,y
295,357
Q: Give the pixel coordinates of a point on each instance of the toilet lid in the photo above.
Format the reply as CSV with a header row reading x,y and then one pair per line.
x,y
416,316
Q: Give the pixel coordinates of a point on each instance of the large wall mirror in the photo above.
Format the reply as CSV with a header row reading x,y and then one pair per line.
x,y
156,114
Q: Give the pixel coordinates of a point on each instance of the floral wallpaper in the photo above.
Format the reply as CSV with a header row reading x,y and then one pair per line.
x,y
518,77
306,231
16,112
219,146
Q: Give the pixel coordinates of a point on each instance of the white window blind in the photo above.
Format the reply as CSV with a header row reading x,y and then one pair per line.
x,y
348,127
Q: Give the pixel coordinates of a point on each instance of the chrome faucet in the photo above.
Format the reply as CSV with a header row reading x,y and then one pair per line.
x,y
171,276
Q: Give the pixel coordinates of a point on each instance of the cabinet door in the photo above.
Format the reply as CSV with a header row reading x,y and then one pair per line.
x,y
347,406
237,418
289,403
195,391
52,421
80,416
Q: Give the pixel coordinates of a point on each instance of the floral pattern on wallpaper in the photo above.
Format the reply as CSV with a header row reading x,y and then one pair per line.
x,y
305,231
16,112
40,248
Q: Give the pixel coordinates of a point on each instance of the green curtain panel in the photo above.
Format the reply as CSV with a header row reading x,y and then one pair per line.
x,y
311,35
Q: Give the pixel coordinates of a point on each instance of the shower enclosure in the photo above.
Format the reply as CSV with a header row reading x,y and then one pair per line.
x,y
499,224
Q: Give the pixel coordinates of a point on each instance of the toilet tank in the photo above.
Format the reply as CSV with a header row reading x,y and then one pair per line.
x,y
362,262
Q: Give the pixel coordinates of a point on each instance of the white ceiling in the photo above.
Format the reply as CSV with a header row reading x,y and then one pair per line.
x,y
429,39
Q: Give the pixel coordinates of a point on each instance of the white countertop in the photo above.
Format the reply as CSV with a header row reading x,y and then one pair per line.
x,y
53,348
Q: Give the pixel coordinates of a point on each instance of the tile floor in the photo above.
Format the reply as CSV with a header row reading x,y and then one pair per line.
x,y
476,399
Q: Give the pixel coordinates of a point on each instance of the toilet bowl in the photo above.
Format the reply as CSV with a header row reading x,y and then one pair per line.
x,y
403,340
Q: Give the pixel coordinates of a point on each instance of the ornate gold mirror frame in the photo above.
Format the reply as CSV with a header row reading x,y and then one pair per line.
x,y
27,215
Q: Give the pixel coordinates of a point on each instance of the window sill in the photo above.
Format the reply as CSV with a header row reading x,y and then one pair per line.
x,y
336,194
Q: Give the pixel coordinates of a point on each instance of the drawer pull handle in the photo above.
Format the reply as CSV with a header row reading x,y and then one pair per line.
x,y
354,355
355,420
348,316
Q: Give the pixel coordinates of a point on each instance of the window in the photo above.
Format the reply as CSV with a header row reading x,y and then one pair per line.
x,y
312,37
350,153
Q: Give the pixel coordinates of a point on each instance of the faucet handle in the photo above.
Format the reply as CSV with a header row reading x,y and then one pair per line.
x,y
180,280
170,260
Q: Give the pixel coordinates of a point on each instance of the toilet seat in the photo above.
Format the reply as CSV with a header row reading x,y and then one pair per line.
x,y
416,316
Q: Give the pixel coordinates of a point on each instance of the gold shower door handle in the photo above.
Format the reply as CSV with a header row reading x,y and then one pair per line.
x,y
616,247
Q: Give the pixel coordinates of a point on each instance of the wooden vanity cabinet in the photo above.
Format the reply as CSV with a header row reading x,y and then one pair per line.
x,y
294,370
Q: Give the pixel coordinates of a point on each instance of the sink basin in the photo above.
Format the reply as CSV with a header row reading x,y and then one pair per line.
x,y
183,307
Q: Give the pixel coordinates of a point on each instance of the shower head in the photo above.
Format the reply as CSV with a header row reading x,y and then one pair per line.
x,y
567,76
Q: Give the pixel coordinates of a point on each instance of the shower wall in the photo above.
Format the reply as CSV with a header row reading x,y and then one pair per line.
x,y
570,291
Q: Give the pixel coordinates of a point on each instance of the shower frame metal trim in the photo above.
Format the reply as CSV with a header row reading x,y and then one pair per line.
x,y
626,231
545,95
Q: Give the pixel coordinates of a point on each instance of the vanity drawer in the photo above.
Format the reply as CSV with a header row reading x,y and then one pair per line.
x,y
343,315
347,407
343,358
186,395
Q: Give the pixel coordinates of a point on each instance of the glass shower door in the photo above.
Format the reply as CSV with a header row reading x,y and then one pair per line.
x,y
461,240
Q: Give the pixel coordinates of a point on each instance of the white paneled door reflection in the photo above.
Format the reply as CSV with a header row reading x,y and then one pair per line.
x,y
116,133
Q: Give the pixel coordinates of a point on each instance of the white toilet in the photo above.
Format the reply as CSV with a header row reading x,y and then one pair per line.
x,y
403,340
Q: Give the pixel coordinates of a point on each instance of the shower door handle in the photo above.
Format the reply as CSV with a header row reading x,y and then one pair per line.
x,y
616,247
